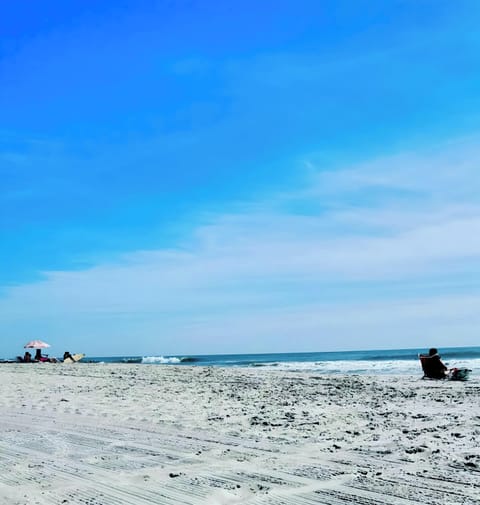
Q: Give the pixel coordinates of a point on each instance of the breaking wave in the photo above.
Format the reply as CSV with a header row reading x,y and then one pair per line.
x,y
364,367
162,360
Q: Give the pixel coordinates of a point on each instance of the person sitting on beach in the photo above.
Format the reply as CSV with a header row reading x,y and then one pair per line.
x,y
433,366
43,359
27,358
67,355
38,356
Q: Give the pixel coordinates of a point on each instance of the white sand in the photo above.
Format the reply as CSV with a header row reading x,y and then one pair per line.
x,y
136,434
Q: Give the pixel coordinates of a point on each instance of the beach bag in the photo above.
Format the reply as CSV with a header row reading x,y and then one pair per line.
x,y
459,374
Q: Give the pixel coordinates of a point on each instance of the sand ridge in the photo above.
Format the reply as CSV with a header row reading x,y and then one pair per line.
x,y
136,434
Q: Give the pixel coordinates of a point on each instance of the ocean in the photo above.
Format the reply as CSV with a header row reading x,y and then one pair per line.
x,y
391,361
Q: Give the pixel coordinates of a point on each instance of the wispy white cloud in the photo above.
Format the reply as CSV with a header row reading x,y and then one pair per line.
x,y
255,276
416,322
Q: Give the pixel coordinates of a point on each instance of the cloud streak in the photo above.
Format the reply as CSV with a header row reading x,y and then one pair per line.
x,y
257,276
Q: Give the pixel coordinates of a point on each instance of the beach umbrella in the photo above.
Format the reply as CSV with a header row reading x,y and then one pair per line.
x,y
36,344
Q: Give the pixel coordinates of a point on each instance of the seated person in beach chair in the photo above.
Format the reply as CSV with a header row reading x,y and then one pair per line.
x,y
43,359
39,357
433,367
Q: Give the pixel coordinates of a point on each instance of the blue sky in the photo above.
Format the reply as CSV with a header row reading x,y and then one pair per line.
x,y
199,177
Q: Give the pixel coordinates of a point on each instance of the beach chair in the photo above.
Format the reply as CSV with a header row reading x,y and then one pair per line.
x,y
432,367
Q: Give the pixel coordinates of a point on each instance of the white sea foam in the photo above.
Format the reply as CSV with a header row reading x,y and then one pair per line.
x,y
394,367
156,360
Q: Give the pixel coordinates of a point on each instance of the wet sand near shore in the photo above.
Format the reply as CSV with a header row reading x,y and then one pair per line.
x,y
137,434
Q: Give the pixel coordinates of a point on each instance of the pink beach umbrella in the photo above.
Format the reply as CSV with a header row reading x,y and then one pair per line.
x,y
36,344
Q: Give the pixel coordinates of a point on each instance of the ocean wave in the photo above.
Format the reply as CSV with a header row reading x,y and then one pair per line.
x,y
401,362
160,360
131,360
255,364
189,359
366,367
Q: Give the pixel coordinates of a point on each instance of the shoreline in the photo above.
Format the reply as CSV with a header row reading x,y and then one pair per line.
x,y
189,434
364,362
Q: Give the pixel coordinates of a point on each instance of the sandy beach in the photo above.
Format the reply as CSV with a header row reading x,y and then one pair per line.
x,y
136,434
